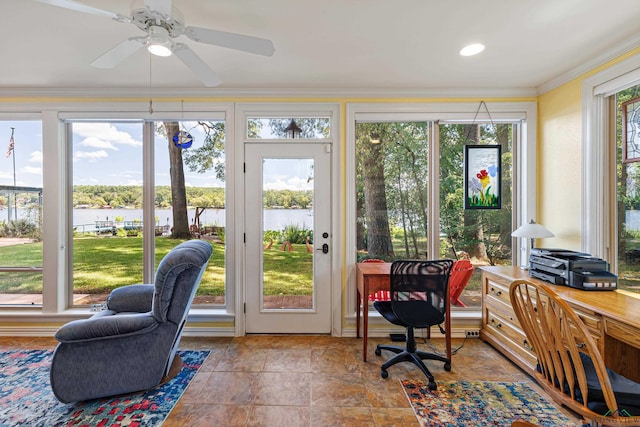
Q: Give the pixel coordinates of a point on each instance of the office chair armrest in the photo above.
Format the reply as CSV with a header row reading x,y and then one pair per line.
x,y
106,327
133,298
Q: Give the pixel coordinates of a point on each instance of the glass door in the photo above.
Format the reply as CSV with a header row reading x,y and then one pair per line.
x,y
288,242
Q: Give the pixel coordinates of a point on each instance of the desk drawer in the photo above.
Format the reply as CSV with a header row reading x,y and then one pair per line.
x,y
507,329
622,332
592,321
510,335
498,290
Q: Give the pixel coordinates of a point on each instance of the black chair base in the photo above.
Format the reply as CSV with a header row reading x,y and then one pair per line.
x,y
413,355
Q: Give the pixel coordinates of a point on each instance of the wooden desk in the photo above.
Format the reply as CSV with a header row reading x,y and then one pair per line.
x,y
612,317
371,278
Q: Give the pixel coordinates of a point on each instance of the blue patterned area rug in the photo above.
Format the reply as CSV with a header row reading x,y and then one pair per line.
x,y
26,398
481,403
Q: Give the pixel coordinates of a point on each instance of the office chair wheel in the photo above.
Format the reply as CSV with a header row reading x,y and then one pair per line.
x,y
378,352
447,367
432,385
384,373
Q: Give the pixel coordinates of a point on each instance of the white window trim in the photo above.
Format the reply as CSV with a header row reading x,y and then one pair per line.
x,y
598,211
524,180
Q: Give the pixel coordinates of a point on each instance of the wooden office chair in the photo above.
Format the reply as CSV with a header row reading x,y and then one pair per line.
x,y
570,367
419,291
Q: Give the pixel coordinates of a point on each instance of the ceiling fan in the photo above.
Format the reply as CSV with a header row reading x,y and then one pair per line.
x,y
163,22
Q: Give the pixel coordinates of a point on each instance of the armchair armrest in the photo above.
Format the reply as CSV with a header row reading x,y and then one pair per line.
x,y
133,298
105,327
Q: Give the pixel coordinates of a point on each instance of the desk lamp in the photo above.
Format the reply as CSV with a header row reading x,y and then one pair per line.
x,y
531,231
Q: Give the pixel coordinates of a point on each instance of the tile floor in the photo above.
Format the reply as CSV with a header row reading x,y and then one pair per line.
x,y
308,380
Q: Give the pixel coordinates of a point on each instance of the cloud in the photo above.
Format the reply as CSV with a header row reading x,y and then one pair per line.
x,y
288,183
35,157
92,156
107,134
32,170
94,142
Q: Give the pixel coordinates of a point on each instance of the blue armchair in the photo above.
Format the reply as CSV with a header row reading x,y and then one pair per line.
x,y
130,346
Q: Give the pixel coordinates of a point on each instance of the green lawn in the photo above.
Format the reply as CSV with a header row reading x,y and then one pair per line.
x,y
101,264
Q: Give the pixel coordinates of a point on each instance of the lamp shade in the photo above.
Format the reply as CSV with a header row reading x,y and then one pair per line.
x,y
532,230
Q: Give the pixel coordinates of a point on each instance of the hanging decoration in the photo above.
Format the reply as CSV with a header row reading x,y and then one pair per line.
x,y
482,172
182,139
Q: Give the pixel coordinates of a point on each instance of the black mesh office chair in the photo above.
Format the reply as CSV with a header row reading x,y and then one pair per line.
x,y
419,292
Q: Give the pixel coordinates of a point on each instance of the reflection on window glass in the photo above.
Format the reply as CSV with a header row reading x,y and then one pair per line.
x,y
190,195
21,212
288,128
107,208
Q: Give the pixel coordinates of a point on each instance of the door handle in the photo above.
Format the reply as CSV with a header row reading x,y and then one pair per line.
x,y
325,249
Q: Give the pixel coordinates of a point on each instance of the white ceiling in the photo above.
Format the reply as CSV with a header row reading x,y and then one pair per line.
x,y
324,44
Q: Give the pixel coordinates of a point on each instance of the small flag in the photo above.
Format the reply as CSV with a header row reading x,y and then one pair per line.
x,y
10,149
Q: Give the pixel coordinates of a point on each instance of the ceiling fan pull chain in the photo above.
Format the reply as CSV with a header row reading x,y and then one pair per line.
x,y
150,88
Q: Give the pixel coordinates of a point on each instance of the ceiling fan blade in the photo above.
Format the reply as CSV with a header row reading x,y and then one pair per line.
x,y
119,53
79,7
231,40
161,6
196,65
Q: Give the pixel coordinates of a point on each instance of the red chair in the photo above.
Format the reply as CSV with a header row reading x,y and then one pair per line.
x,y
380,295
458,280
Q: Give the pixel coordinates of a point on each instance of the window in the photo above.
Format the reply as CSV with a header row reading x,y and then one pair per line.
x,y
21,215
408,185
190,176
483,235
107,206
627,219
288,128
609,230
393,203
113,244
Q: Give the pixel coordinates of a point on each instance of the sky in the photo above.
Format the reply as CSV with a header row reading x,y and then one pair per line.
x,y
111,154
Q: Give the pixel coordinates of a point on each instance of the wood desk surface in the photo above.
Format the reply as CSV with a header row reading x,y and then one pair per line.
x,y
622,306
374,268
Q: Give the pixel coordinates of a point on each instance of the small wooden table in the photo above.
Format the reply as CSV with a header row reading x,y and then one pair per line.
x,y
371,278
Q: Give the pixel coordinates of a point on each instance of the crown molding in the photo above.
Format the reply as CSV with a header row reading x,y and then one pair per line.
x,y
303,93
609,55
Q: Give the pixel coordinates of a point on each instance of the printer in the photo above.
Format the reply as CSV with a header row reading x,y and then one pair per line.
x,y
570,268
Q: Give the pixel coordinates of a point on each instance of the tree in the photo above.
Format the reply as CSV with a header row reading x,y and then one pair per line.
x,y
178,191
211,154
372,159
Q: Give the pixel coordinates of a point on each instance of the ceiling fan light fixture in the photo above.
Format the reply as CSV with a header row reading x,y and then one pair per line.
x,y
472,49
159,41
159,49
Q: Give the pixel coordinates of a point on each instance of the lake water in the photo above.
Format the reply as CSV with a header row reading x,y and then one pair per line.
x,y
274,219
